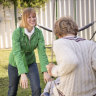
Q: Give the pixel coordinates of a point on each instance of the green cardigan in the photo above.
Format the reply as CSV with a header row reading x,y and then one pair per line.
x,y
22,53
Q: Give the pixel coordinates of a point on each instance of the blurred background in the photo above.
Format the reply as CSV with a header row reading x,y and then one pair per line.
x,y
48,11
82,11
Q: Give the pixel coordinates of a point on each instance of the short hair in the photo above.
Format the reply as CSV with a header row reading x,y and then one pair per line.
x,y
64,26
26,13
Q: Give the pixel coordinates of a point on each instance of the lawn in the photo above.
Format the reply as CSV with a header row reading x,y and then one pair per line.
x,y
4,55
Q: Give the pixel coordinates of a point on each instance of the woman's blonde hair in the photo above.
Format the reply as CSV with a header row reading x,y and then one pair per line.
x,y
64,26
25,15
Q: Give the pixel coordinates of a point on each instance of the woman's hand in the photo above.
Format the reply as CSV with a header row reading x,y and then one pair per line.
x,y
49,68
23,81
47,77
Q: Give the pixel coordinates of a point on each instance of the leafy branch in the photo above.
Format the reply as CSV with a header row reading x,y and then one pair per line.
x,y
23,3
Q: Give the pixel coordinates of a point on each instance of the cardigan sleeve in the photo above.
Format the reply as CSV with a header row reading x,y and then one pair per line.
x,y
18,54
94,56
66,59
42,52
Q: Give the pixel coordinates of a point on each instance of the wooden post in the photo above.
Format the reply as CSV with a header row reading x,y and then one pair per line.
x,y
15,13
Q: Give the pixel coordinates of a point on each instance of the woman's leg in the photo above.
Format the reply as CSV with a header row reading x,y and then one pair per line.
x,y
13,80
33,76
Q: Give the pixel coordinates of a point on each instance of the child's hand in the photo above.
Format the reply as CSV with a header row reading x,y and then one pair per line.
x,y
49,68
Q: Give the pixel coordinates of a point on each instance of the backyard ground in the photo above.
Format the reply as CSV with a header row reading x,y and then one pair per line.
x,y
4,56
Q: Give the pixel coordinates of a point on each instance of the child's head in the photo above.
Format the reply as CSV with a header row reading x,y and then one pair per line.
x,y
65,26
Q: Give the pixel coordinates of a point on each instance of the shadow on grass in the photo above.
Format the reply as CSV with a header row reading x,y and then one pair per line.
x,y
3,86
4,66
4,83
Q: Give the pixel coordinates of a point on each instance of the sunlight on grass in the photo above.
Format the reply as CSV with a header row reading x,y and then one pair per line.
x,y
4,56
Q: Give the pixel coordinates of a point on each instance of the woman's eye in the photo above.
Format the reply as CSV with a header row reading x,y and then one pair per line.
x,y
33,17
29,17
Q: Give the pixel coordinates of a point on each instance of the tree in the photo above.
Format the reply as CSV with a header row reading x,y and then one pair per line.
x,y
20,4
24,3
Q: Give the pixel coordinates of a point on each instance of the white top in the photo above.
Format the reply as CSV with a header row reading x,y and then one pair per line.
x,y
76,66
29,34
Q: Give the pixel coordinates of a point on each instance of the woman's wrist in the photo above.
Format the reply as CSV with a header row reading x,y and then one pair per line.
x,y
23,74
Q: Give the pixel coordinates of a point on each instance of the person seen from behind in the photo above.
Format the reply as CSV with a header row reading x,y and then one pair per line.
x,y
76,61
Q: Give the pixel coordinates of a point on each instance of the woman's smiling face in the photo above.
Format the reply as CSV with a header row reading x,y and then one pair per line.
x,y
31,20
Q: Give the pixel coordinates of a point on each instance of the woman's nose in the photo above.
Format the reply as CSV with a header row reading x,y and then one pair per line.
x,y
33,19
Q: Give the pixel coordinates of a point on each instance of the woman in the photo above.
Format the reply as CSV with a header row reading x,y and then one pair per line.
x,y
76,61
22,61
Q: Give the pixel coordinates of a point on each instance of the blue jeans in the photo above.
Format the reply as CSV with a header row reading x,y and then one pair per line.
x,y
46,94
33,76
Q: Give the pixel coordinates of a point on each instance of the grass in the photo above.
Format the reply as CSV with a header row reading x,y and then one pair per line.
x,y
4,56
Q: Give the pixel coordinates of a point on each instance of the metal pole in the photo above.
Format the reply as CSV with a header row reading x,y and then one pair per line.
x,y
80,29
75,10
53,1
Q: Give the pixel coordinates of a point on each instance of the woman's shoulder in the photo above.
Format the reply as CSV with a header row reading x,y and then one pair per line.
x,y
17,31
60,41
89,43
37,29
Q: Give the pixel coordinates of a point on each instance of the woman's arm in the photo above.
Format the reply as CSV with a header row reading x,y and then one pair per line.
x,y
43,57
42,52
19,58
18,53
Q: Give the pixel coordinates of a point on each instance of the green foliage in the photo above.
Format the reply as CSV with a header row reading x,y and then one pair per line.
x,y
5,3
1,1
24,3
32,3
